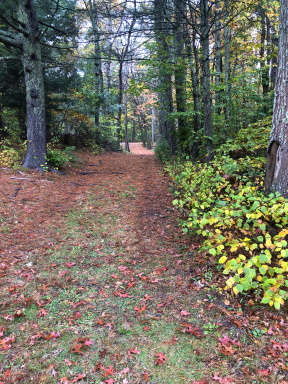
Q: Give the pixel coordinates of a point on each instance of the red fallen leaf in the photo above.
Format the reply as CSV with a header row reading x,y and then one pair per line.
x,y
227,350
202,381
7,373
100,321
88,342
146,328
121,294
109,381
78,377
70,265
194,331
140,309
133,351
68,362
147,297
131,283
98,367
103,353
108,371
52,336
264,372
79,303
77,315
160,358
227,341
145,376
184,313
77,348
36,337
42,313
6,342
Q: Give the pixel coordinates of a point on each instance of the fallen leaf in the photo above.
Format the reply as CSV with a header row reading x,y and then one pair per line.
x,y
184,313
160,358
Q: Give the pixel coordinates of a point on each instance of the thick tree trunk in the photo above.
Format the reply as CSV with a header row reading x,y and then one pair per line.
x,y
35,98
277,162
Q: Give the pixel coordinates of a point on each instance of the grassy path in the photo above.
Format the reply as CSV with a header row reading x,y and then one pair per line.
x,y
99,286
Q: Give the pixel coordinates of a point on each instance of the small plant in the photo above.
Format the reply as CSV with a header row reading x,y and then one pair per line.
x,y
57,158
162,151
11,153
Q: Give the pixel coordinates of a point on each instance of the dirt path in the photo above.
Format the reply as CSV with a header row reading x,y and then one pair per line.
x,y
100,286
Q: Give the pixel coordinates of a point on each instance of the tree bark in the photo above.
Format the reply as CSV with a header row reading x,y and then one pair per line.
x,y
277,161
206,76
34,82
180,71
165,94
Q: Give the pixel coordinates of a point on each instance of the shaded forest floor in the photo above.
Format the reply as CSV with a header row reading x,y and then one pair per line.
x,y
98,285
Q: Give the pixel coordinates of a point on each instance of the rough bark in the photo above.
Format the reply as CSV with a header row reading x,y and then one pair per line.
x,y
180,71
165,94
34,82
206,75
277,161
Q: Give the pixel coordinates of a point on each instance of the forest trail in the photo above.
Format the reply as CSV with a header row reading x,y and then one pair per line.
x,y
100,286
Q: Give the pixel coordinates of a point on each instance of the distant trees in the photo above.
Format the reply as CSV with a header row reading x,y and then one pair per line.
x,y
211,64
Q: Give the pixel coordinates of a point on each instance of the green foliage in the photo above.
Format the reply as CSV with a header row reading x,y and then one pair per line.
x,y
11,153
162,150
224,203
57,158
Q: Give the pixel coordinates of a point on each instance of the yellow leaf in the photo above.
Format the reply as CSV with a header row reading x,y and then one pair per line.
x,y
222,259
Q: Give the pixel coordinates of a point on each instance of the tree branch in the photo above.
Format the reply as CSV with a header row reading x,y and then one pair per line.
x,y
11,40
14,26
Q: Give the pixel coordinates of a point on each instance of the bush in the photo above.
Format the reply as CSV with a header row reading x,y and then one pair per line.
x,y
162,151
57,158
224,203
11,154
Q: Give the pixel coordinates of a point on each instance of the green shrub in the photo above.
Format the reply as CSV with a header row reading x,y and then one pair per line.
x,y
224,203
57,158
162,151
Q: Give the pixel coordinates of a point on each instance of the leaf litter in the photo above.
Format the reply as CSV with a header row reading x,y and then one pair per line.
x,y
99,285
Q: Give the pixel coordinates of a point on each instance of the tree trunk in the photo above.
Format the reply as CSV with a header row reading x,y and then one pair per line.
x,y
193,57
277,161
92,9
227,69
206,77
35,98
165,94
180,72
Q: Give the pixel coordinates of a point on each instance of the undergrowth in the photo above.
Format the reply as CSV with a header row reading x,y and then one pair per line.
x,y
245,229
